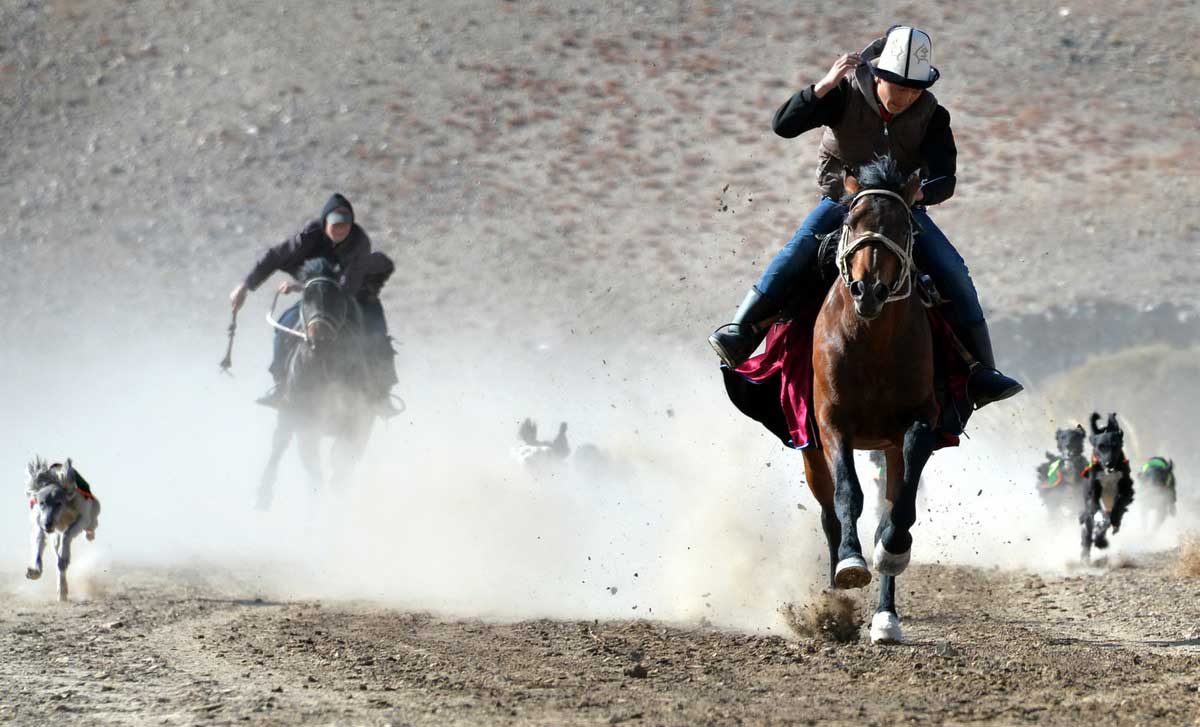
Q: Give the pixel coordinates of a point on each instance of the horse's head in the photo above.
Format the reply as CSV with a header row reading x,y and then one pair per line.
x,y
324,305
1070,441
50,489
1108,443
875,250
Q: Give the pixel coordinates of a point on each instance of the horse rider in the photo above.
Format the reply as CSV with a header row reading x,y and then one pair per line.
x,y
336,237
872,103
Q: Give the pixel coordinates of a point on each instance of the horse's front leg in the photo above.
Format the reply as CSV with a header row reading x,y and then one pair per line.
x,y
820,482
885,624
279,443
347,450
851,570
308,444
894,547
64,555
34,571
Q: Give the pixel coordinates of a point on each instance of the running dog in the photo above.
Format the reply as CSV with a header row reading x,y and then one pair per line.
x,y
1109,489
60,503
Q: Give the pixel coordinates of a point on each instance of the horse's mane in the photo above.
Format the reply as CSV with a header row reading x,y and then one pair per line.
x,y
882,172
319,268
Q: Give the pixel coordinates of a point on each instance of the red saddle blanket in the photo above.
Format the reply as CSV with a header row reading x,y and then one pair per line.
x,y
775,387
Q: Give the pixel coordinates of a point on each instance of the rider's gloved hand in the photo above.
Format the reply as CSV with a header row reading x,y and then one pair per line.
x,y
238,296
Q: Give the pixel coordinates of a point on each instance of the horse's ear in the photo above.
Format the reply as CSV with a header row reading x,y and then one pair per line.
x,y
1095,418
850,182
1080,428
1113,424
911,186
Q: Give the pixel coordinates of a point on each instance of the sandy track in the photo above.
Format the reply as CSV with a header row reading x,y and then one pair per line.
x,y
1097,647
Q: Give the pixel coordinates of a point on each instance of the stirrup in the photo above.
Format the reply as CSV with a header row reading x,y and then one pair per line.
x,y
272,399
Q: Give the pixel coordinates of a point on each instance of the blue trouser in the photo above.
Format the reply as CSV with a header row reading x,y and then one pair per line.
x,y
285,343
932,253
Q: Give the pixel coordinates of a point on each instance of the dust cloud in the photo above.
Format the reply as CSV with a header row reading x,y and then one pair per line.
x,y
692,514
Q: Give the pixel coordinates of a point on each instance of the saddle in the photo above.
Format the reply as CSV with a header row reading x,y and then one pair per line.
x,y
775,388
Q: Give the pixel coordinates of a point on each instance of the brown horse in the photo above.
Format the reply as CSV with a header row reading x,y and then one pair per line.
x,y
873,385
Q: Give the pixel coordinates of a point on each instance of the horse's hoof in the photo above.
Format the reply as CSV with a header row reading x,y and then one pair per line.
x,y
851,573
33,574
890,564
885,628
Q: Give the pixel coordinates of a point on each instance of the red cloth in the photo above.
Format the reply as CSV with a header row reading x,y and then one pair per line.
x,y
779,381
788,355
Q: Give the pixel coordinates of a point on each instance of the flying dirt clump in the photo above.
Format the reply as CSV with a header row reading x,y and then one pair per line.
x,y
831,616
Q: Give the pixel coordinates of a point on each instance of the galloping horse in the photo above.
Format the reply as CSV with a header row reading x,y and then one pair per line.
x,y
324,391
873,384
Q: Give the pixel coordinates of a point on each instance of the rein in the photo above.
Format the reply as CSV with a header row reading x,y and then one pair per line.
x,y
847,246
279,326
302,334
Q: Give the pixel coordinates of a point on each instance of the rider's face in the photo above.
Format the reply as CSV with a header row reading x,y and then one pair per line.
x,y
894,97
337,231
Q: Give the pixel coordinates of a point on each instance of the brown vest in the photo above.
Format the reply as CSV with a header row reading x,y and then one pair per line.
x,y
861,135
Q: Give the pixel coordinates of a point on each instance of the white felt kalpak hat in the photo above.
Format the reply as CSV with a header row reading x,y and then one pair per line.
x,y
907,58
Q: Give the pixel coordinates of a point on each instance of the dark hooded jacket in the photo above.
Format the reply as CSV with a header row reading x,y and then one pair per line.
x,y
311,242
918,138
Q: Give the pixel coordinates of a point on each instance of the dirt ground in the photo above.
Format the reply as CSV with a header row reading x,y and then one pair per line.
x,y
1110,645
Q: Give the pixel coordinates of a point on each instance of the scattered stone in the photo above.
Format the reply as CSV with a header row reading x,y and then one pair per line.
x,y
946,650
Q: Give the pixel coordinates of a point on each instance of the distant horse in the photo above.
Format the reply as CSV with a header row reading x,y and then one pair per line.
x,y
60,502
1109,491
1060,477
1156,481
873,385
325,387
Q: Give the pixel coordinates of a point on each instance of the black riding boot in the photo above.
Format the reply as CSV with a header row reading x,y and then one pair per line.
x,y
986,384
735,342
273,398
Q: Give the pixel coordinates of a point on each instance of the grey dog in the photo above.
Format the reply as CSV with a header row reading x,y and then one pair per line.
x,y
61,503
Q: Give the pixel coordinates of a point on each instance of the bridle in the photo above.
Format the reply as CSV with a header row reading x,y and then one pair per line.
x,y
334,324
847,246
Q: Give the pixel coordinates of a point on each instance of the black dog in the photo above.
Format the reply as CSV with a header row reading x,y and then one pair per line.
x,y
1109,491
1157,480
1060,477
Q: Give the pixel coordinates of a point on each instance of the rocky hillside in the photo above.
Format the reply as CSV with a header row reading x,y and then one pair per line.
x,y
551,167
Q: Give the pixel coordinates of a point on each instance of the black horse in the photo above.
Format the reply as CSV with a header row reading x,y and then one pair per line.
x,y
1060,477
325,390
1109,490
